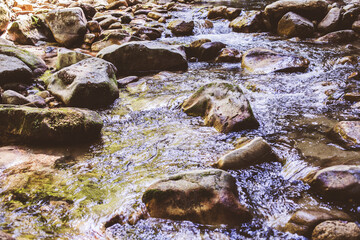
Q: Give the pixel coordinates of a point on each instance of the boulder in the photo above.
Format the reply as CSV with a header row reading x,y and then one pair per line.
x,y
210,50
14,70
49,126
251,153
104,24
194,49
217,12
36,64
350,14
331,21
250,21
89,83
4,17
223,106
232,13
67,58
341,182
12,97
67,25
310,9
151,33
112,39
348,133
342,36
144,56
263,61
228,55
336,230
181,27
294,25
203,196
303,221
26,32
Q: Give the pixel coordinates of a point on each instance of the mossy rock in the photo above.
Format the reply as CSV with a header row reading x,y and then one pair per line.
x,y
34,125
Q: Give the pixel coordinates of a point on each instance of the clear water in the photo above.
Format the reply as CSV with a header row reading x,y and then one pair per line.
x,y
146,137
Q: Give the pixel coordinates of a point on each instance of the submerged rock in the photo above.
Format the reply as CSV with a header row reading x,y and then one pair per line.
x,y
251,153
88,83
203,196
262,61
223,106
336,230
251,21
294,25
181,27
36,64
67,25
49,126
144,56
348,133
303,222
340,182
342,36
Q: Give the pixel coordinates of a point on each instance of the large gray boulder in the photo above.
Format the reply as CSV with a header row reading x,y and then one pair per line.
x,y
68,26
14,70
36,64
311,9
262,61
303,221
223,106
144,56
61,125
89,83
203,196
340,182
294,25
251,153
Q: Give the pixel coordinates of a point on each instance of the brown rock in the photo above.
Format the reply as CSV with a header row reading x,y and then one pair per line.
x,y
181,27
348,132
336,230
331,21
228,55
250,21
293,25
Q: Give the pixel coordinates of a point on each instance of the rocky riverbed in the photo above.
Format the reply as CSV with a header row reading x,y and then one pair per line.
x,y
162,119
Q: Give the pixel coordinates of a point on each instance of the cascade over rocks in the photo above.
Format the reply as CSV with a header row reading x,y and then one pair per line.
x,y
202,196
262,61
89,83
144,56
61,125
223,106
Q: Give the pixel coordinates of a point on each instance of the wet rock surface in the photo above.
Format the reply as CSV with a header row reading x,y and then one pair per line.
x,y
336,230
204,196
348,132
222,106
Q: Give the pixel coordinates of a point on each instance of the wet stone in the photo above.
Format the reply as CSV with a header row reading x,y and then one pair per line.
x,y
348,133
336,230
294,25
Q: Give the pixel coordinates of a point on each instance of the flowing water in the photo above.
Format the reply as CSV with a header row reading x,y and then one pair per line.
x,y
146,136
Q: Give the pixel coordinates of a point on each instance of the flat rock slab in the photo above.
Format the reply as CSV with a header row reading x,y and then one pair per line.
x,y
49,126
341,182
203,196
223,106
263,61
144,56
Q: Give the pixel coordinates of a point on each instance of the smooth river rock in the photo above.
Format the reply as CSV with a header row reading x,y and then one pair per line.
x,y
181,28
248,22
68,26
49,126
223,106
336,230
263,61
89,83
331,21
341,182
251,153
347,133
341,36
202,196
144,56
303,221
294,25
